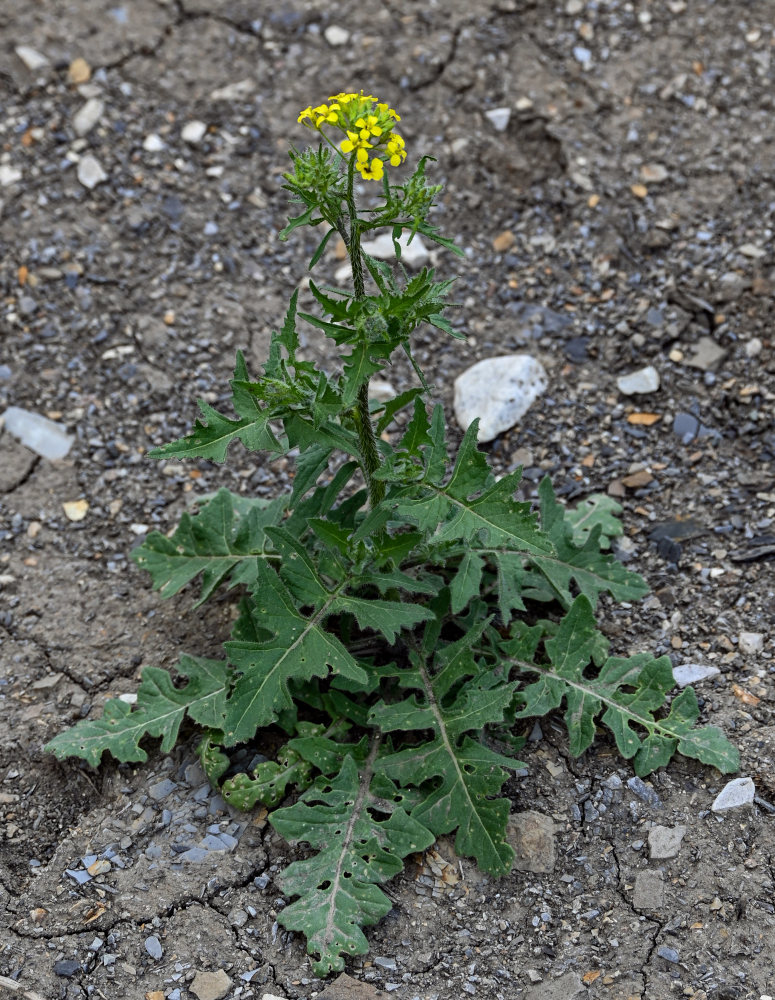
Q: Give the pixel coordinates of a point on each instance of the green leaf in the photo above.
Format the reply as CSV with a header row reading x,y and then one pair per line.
x,y
466,581
321,247
592,571
212,439
463,775
627,691
394,406
226,538
298,649
159,711
269,781
356,852
598,509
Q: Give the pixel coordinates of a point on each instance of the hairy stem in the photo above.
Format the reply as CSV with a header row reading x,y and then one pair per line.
x,y
366,438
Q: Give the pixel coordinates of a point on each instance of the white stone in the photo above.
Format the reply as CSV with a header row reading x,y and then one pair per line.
x,y
87,116
753,347
735,794
499,391
153,143
642,381
193,132
499,118
693,673
751,250
41,435
31,58
380,390
574,7
414,254
750,643
90,172
336,36
9,175
234,91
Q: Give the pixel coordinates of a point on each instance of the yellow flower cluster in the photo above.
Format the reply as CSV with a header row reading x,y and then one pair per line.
x,y
368,128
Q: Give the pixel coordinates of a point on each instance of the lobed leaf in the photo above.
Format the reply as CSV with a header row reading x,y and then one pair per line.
x,y
356,852
159,711
225,538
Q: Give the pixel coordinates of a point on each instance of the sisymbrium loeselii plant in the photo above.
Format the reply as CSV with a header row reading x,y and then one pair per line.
x,y
402,617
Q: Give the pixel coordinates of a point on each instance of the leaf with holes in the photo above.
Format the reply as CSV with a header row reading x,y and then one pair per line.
x,y
360,832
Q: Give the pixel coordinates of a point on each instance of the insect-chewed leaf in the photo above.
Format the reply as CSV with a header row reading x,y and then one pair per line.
x,y
159,711
269,781
297,648
226,538
591,570
627,691
361,833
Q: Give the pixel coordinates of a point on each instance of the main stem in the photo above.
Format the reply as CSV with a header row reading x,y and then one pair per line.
x,y
366,438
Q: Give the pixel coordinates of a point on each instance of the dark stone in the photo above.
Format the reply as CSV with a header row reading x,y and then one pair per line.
x,y
67,967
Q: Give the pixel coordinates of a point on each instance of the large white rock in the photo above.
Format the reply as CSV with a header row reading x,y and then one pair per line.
x,y
414,254
39,434
499,391
645,380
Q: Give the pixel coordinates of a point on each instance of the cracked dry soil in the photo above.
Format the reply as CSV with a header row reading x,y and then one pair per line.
x,y
624,217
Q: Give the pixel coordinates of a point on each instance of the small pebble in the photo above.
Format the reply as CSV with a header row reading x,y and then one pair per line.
x,y
193,132
750,643
499,118
90,172
693,673
336,36
153,143
153,947
669,954
67,967
31,58
87,116
665,841
643,381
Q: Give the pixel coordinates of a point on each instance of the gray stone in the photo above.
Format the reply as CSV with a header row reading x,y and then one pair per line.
x,y
162,789
642,381
499,118
567,987
750,643
16,463
649,891
87,116
90,172
499,391
735,794
707,355
386,963
531,834
41,435
212,843
210,985
669,954
234,91
414,255
194,855
730,286
153,947
80,876
693,673
665,841
644,791
67,967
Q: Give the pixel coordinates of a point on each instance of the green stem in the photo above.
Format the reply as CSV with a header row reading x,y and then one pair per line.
x,y
366,438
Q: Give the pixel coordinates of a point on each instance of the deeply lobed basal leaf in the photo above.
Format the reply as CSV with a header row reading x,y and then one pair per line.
x,y
159,711
627,691
356,852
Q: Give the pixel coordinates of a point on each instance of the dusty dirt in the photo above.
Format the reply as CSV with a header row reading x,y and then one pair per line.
x,y
635,176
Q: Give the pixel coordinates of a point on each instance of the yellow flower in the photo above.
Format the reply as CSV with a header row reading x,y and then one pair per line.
x,y
389,111
373,172
369,126
356,141
323,113
306,113
396,151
